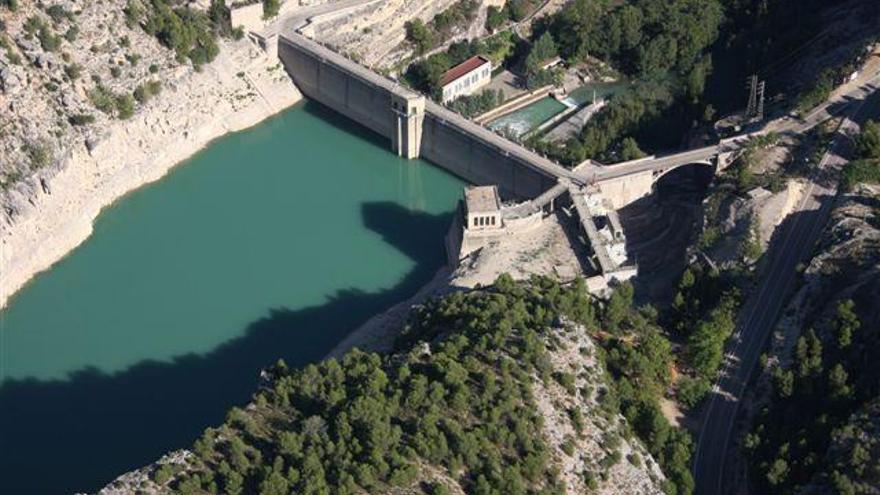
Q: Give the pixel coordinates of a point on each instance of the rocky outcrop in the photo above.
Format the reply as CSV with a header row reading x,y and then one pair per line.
x,y
58,176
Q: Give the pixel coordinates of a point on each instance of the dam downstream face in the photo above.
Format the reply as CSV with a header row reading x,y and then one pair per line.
x,y
272,243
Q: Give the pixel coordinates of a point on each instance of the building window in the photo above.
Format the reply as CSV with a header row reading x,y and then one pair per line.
x,y
492,221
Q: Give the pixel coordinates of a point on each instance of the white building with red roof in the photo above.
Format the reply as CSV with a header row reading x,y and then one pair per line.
x,y
466,78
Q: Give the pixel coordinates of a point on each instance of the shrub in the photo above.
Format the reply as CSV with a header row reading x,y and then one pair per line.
x,y
80,119
271,8
72,33
73,71
124,106
690,391
144,92
38,153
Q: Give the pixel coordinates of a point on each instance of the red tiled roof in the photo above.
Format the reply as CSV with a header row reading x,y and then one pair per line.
x,y
463,68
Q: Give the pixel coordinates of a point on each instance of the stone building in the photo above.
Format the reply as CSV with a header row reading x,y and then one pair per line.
x,y
466,78
482,208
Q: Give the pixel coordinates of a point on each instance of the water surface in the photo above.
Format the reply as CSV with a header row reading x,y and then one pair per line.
x,y
529,117
272,243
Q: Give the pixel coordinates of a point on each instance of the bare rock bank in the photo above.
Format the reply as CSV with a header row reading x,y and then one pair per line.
x,y
43,222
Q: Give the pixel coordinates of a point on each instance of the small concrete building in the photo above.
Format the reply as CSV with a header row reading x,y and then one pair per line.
x,y
466,78
482,208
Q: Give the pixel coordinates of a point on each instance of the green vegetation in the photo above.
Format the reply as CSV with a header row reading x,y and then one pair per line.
x,y
603,136
821,87
11,55
540,52
425,75
814,402
740,174
271,8
34,26
513,10
866,167
118,105
144,92
629,149
39,154
463,406
80,119
59,14
9,4
190,33
71,33
481,102
816,94
427,36
124,106
868,141
659,43
495,18
702,316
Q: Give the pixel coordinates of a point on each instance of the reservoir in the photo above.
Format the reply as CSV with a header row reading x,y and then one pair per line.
x,y
271,243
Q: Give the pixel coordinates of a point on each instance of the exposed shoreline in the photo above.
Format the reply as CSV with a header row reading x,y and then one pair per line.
x,y
240,89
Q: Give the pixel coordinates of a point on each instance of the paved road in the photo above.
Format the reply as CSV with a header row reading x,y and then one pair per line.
x,y
796,239
849,95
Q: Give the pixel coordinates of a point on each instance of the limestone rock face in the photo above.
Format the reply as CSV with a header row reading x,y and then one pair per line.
x,y
62,159
11,79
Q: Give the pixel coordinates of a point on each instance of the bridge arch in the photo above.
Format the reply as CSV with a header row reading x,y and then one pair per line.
x,y
659,173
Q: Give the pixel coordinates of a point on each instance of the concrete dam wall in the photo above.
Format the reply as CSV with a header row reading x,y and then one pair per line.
x,y
415,127
481,156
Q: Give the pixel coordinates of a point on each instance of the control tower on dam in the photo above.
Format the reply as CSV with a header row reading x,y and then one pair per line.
x,y
415,127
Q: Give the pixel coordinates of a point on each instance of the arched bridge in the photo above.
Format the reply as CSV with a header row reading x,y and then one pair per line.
x,y
625,182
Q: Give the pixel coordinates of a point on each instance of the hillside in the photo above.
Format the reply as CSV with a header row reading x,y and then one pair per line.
x,y
816,432
498,390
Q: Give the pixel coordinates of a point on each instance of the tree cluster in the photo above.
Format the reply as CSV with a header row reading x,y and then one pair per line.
x,y
703,316
866,167
660,43
472,105
816,402
425,74
190,33
513,10
639,357
541,51
456,395
441,27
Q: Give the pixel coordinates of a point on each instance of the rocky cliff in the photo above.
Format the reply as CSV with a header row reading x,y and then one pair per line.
x,y
63,158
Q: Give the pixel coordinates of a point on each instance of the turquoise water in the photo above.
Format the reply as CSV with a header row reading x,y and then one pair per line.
x,y
528,117
272,243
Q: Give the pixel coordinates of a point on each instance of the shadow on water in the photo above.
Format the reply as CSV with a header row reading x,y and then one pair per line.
x,y
78,434
345,124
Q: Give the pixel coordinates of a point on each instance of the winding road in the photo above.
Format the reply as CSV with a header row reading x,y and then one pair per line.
x,y
793,243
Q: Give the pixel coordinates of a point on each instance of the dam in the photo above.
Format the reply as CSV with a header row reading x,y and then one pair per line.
x,y
415,126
